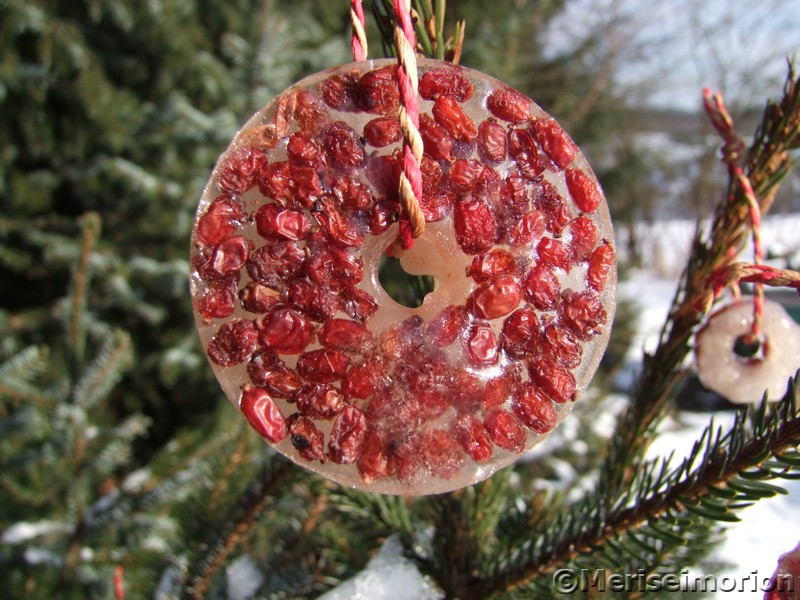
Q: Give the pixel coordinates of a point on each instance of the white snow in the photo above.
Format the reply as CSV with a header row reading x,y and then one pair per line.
x,y
242,579
388,576
24,531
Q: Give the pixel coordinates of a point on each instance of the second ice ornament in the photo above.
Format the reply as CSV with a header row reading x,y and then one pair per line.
x,y
302,336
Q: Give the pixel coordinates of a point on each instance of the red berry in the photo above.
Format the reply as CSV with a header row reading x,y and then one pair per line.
x,y
557,343
542,288
345,334
221,219
233,343
494,263
338,91
364,379
319,401
284,331
230,255
499,389
335,268
375,461
482,345
555,142
273,263
281,382
519,330
492,141
378,91
469,175
534,409
263,414
600,263
358,304
304,150
436,206
306,438
273,222
441,453
584,191
323,365
550,202
437,142
257,297
348,434
238,172
450,115
339,226
505,430
343,146
290,185
383,173
447,81
475,226
381,217
261,363
584,237
310,113
509,105
554,253
382,131
522,149
286,108
554,379
474,439
528,229
316,302
218,301
496,297
447,326
583,314
515,194
353,194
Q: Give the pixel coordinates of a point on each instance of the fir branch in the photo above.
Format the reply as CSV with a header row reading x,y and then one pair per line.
x,y
114,357
722,474
80,287
17,373
210,557
766,164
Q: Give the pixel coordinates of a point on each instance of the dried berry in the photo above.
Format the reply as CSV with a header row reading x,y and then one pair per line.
x,y
492,141
335,268
375,461
482,344
509,105
475,226
499,389
528,229
474,439
230,255
378,91
542,288
273,222
273,263
554,379
304,150
600,263
584,191
364,379
447,326
261,363
238,172
534,409
339,91
343,146
519,331
437,142
281,382
233,343
290,185
310,113
359,305
523,150
257,297
554,253
319,401
382,131
344,334
441,453
348,433
505,430
323,365
583,314
584,237
316,302
353,194
448,81
555,142
494,263
221,219
340,227
284,331
496,297
263,414
306,438
558,344
470,175
451,117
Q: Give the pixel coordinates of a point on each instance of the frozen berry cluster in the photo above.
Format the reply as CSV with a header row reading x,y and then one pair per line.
x,y
310,348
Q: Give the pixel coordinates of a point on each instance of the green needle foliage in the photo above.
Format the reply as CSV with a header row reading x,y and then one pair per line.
x,y
121,461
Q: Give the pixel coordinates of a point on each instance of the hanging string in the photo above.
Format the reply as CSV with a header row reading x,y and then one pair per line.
x,y
359,42
412,221
731,152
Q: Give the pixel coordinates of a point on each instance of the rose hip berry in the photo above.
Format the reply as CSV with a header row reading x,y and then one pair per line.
x,y
583,314
319,401
263,414
505,430
273,222
451,117
542,288
475,226
445,82
474,439
343,146
482,344
306,438
600,263
382,131
585,193
519,330
339,90
221,219
494,263
347,436
238,172
324,365
534,409
233,343
555,142
508,104
284,331
492,141
344,334
496,297
378,92
437,142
